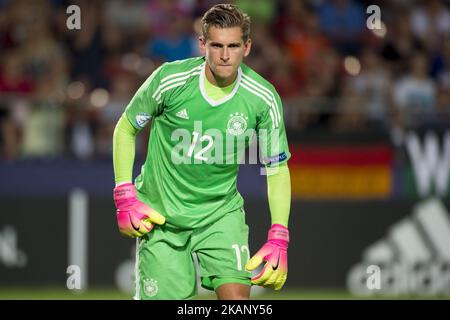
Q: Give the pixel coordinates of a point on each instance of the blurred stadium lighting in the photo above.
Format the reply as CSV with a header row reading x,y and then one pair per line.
x,y
145,67
99,98
131,61
352,65
381,32
58,97
75,90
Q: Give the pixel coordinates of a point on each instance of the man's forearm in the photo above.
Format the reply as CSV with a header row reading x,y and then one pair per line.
x,y
274,252
124,141
279,194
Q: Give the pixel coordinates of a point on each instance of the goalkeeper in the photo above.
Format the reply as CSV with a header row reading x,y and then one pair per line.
x,y
204,113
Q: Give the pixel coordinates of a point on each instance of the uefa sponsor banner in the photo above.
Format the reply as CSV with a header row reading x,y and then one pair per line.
x,y
62,242
348,244
427,168
412,258
73,242
33,241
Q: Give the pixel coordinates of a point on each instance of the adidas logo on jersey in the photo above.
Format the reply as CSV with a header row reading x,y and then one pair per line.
x,y
414,257
182,114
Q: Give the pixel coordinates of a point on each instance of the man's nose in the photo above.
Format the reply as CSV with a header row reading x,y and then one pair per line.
x,y
225,55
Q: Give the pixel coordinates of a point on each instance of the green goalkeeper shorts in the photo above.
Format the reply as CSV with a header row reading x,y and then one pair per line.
x,y
165,267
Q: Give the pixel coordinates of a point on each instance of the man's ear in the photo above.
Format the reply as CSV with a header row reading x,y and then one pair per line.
x,y
248,47
202,44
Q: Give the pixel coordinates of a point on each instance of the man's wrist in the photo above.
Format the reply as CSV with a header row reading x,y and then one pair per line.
x,y
278,232
118,184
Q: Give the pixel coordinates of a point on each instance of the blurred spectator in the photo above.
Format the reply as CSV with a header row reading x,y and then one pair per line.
x,y
127,17
304,111
176,44
43,132
318,93
257,58
373,83
6,38
284,79
44,60
162,12
350,113
122,90
48,72
401,42
290,21
11,125
260,11
443,82
87,47
80,133
12,75
300,32
197,27
344,22
431,22
414,95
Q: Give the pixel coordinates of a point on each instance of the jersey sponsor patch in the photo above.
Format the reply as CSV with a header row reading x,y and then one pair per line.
x,y
276,159
142,119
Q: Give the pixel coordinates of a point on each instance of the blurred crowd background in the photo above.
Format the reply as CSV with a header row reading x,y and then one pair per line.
x,y
62,91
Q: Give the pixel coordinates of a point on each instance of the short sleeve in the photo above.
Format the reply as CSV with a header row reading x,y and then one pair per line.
x,y
147,102
272,140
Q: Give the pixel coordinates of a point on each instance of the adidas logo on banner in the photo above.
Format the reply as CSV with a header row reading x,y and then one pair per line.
x,y
182,114
414,258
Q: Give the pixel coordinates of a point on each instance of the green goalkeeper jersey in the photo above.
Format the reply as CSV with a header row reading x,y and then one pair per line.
x,y
196,144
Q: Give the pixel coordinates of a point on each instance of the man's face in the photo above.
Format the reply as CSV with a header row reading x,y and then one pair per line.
x,y
224,51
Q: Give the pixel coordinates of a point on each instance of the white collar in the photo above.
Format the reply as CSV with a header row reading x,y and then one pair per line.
x,y
224,99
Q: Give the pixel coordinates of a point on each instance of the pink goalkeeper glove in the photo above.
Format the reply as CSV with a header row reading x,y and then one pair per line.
x,y
134,218
274,252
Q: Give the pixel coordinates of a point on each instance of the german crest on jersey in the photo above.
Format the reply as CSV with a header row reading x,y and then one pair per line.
x,y
150,287
237,124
